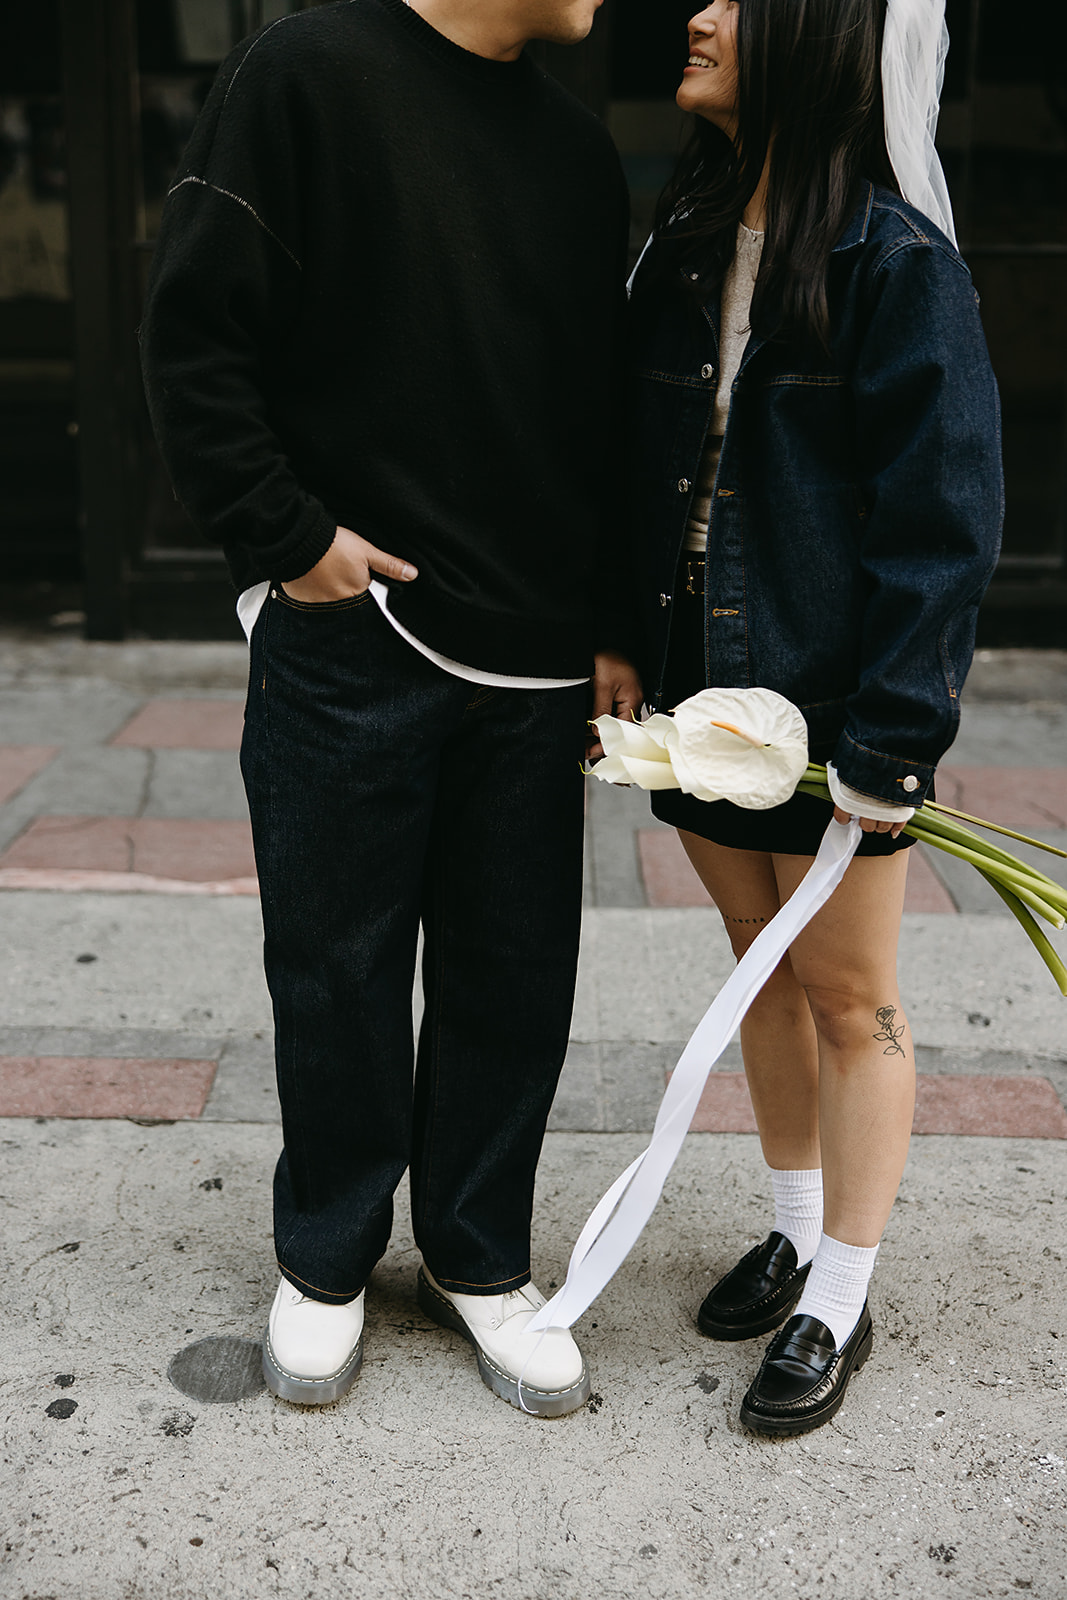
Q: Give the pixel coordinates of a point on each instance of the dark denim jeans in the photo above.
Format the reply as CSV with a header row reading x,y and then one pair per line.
x,y
385,792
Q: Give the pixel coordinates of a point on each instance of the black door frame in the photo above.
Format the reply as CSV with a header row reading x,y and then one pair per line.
x,y
98,41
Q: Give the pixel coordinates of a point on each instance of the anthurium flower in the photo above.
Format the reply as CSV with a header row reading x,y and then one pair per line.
x,y
745,745
749,746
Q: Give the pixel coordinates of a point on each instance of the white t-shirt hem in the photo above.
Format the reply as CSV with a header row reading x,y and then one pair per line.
x,y
251,602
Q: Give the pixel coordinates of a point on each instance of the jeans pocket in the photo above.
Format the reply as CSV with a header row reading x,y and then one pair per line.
x,y
349,603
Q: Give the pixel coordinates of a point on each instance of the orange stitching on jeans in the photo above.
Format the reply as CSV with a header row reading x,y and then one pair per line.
x,y
513,1279
286,1272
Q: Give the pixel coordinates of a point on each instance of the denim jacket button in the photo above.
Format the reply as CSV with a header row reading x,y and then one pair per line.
x,y
707,370
683,485
911,783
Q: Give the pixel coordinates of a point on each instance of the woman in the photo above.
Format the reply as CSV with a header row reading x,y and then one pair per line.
x,y
817,497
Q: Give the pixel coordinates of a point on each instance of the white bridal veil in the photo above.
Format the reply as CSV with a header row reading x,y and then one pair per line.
x,y
913,70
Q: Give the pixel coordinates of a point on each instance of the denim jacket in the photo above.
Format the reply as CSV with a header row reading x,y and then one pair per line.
x,y
857,509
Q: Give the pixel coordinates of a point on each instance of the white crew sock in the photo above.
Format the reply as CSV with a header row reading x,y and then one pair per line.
x,y
798,1210
837,1286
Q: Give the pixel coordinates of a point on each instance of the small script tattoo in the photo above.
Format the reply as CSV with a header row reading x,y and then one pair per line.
x,y
885,1016
748,921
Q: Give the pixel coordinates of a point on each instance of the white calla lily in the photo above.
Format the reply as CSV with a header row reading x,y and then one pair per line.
x,y
635,752
623,768
643,739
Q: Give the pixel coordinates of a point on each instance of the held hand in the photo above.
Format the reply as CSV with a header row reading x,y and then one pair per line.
x,y
616,692
869,825
346,569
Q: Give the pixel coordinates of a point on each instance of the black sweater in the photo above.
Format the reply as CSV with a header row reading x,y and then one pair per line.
x,y
387,294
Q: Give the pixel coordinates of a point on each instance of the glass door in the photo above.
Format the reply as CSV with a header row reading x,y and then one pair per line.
x,y
1003,135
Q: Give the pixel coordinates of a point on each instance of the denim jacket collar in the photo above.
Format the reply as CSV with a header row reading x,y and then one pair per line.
x,y
860,221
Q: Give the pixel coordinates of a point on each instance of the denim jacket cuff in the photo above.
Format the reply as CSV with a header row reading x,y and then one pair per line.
x,y
864,805
895,779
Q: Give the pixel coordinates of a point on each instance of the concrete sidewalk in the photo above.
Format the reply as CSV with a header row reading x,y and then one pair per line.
x,y
137,1117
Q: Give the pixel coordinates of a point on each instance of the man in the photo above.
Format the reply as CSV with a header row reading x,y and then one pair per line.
x,y
379,349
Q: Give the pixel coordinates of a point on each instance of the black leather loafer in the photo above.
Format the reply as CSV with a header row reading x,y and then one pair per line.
x,y
802,1379
757,1294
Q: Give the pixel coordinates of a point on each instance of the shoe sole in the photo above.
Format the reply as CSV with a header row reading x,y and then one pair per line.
x,y
536,1402
310,1391
732,1333
788,1427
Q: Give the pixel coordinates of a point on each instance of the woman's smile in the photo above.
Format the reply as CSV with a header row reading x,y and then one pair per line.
x,y
709,82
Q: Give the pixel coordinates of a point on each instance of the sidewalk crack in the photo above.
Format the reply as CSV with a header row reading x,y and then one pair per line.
x,y
146,782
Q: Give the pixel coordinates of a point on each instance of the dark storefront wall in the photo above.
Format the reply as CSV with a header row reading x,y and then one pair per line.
x,y
38,449
136,72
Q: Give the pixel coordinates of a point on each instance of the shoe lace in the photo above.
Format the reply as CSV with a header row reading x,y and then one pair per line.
x,y
516,1301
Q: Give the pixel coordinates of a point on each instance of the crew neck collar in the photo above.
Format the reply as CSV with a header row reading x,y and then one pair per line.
x,y
481,68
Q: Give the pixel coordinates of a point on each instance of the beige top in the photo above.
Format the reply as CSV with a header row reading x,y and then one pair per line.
x,y
734,330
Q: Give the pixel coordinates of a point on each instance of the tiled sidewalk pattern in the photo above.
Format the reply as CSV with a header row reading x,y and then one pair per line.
x,y
1015,1107
160,848
21,762
179,853
177,1089
184,725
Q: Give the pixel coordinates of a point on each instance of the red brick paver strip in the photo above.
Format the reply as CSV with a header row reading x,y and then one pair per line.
x,y
1006,1107
1027,798
185,725
925,891
21,762
670,880
156,847
49,880
1013,1108
669,877
99,1086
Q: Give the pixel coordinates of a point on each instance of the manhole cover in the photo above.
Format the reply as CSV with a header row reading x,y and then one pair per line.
x,y
218,1370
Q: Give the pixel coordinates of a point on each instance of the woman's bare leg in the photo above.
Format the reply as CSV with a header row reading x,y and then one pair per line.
x,y
845,960
778,1039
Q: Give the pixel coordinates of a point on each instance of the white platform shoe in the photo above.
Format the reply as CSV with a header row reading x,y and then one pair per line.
x,y
554,1378
312,1352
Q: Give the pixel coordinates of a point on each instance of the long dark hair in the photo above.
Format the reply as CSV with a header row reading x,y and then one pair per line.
x,y
810,80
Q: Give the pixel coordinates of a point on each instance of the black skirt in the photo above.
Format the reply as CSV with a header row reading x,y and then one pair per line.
x,y
794,828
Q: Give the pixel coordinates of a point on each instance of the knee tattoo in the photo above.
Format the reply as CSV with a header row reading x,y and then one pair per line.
x,y
889,1032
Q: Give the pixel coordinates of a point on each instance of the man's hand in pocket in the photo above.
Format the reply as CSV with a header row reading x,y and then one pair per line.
x,y
347,569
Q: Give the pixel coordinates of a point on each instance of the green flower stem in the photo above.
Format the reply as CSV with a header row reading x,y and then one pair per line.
x,y
1020,882
817,774
1036,935
814,783
1047,898
994,827
953,830
1018,885
990,857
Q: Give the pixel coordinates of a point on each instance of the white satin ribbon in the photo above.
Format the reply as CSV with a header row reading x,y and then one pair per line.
x,y
617,1221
